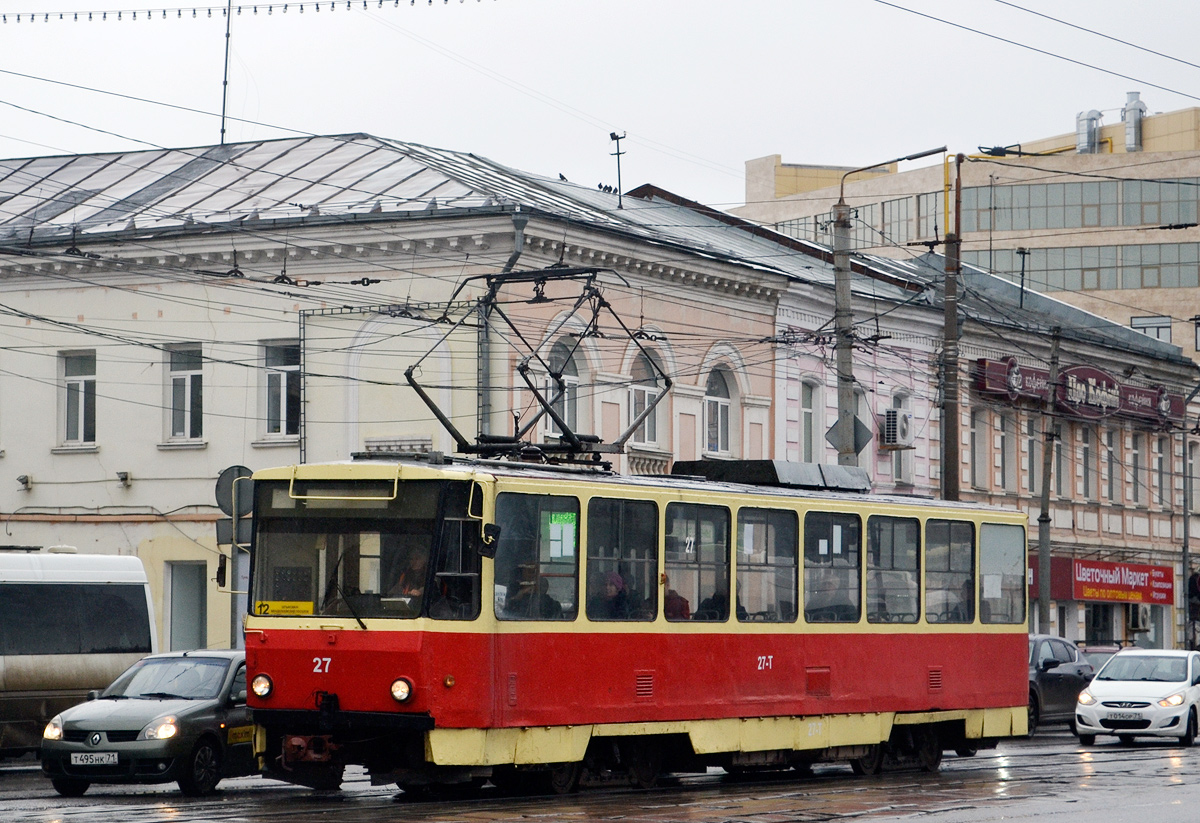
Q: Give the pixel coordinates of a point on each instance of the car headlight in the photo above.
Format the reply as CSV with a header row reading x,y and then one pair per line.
x,y
261,685
1172,701
1086,699
401,689
160,729
53,730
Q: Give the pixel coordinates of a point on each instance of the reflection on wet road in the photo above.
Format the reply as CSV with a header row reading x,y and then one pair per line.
x,y
1046,777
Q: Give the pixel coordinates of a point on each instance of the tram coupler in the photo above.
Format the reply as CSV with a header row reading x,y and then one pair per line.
x,y
298,748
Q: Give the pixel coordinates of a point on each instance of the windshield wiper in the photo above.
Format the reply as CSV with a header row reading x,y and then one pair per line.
x,y
165,696
113,697
334,586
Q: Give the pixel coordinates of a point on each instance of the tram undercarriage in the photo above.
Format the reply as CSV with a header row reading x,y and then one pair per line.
x,y
410,759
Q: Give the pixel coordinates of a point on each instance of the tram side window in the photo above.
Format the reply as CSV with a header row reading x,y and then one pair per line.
x,y
1002,573
893,566
697,562
456,594
622,565
537,557
949,571
832,545
766,565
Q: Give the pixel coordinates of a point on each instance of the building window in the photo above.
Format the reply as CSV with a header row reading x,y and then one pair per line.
x,y
1087,460
902,459
562,363
1062,482
186,405
1157,327
1193,451
79,397
1006,451
282,388
978,444
808,422
716,413
641,396
1112,488
1162,471
1137,461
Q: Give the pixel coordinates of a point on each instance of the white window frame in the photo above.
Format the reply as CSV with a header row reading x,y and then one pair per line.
x,y
717,410
78,398
902,459
641,395
185,393
810,403
567,406
277,380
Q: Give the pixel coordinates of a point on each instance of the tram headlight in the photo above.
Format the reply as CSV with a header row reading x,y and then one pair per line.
x,y
1172,701
1086,699
261,685
53,730
401,689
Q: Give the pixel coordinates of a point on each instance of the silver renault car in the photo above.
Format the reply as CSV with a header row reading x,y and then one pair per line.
x,y
178,717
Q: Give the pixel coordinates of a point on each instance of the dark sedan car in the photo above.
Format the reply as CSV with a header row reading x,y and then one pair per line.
x,y
180,716
1058,671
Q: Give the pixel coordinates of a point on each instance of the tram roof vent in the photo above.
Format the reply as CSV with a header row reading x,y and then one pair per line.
x,y
814,476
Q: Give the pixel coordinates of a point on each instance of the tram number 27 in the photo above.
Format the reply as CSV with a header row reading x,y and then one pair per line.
x,y
321,664
764,662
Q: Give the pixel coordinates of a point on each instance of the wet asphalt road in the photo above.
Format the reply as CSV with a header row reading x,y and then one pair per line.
x,y
1050,778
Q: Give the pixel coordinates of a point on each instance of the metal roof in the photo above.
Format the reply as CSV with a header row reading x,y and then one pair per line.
x,y
47,200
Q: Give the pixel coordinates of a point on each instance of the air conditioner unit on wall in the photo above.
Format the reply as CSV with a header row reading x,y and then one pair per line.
x,y
897,429
1139,617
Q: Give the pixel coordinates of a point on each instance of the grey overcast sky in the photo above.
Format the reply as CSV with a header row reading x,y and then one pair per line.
x,y
698,86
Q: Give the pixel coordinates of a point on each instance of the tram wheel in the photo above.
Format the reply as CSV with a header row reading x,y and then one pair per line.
x,y
563,778
645,764
929,750
872,763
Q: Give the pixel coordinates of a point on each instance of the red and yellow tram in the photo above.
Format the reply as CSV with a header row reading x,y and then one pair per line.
x,y
445,621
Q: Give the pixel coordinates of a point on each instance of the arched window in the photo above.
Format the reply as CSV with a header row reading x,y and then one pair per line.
x,y
716,413
562,361
641,394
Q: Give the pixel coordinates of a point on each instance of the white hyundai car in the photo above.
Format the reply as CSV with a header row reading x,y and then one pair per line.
x,y
1142,693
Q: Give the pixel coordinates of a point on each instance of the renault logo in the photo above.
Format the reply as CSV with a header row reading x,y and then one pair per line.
x,y
94,739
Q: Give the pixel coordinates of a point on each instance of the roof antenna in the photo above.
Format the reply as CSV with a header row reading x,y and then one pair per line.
x,y
617,154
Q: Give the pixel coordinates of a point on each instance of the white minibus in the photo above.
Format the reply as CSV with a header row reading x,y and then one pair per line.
x,y
69,623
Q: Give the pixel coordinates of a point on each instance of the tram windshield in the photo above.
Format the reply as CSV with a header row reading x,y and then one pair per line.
x,y
365,549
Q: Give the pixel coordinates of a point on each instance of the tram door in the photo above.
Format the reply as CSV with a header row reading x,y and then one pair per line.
x,y
536,573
